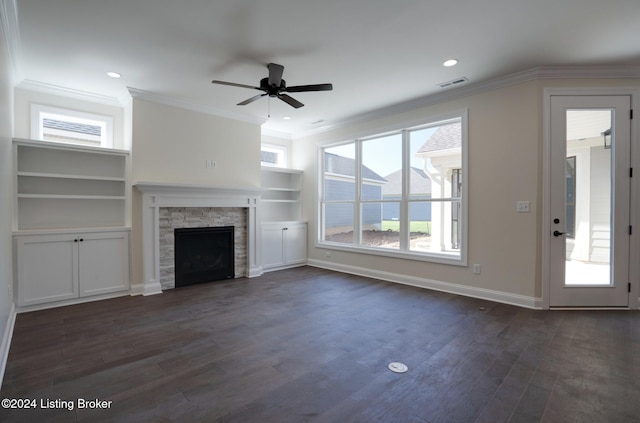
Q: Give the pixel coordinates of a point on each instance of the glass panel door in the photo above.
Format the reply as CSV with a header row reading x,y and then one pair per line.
x,y
589,201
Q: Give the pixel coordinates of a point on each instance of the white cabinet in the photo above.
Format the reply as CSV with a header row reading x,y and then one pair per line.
x,y
65,266
71,234
284,244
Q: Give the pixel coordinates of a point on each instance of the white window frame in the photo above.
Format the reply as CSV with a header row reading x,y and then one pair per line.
x,y
40,112
280,150
404,252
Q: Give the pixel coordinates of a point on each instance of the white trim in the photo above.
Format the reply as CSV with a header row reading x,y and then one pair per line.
x,y
46,88
634,248
467,291
156,195
6,341
276,134
542,72
184,104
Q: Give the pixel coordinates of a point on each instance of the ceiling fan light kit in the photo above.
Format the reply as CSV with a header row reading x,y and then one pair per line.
x,y
275,86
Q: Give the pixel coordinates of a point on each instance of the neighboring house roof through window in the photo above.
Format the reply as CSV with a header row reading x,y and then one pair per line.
x,y
420,182
80,128
341,165
447,137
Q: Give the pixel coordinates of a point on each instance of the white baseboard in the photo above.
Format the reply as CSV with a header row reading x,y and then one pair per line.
x,y
146,289
452,288
6,341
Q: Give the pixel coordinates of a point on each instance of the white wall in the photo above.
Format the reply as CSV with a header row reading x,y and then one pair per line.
x,y
6,206
504,167
171,145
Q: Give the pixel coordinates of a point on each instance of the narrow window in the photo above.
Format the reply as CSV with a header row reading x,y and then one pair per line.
x,y
273,155
55,124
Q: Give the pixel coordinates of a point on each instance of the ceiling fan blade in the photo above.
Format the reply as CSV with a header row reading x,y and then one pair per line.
x,y
290,101
314,87
275,74
252,99
233,84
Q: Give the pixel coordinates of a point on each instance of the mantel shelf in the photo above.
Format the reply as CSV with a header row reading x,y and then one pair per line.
x,y
154,188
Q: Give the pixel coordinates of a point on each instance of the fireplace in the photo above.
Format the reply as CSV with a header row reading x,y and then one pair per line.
x,y
166,207
203,254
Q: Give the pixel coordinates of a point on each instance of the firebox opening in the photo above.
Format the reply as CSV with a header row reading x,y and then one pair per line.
x,y
203,254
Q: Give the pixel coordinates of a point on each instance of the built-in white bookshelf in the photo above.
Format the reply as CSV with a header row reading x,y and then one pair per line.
x,y
61,186
281,196
284,234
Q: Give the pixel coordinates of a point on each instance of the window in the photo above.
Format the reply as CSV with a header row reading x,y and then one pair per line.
x,y
71,127
400,193
273,155
570,176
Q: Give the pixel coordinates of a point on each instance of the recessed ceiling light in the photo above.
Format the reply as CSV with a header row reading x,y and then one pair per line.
x,y
450,62
286,117
114,74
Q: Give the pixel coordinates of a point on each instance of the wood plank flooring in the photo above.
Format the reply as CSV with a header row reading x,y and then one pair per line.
x,y
311,345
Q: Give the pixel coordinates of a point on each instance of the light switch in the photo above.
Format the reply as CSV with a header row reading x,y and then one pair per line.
x,y
522,207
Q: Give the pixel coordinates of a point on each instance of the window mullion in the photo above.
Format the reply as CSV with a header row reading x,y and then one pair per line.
x,y
404,204
357,206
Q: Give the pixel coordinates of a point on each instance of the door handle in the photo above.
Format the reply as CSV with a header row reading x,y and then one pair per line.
x,y
558,233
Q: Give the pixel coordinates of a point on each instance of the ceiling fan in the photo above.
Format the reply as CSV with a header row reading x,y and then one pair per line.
x,y
275,86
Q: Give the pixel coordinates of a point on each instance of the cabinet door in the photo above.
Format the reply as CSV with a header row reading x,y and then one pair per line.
x,y
272,246
47,268
295,247
103,263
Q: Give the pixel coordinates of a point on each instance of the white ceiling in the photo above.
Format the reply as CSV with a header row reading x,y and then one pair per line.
x,y
377,53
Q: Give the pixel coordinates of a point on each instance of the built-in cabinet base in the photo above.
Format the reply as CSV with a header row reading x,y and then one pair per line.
x,y
55,268
284,245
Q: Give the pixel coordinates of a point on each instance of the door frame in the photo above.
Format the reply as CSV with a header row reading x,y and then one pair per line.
x,y
634,200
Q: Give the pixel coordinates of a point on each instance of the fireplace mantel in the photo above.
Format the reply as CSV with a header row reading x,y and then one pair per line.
x,y
156,195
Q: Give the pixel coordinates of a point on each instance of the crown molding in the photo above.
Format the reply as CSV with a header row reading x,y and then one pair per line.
x,y
542,72
276,134
11,35
592,72
43,87
182,104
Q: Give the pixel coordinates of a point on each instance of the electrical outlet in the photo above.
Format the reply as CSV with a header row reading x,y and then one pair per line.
x,y
327,254
476,269
210,164
522,207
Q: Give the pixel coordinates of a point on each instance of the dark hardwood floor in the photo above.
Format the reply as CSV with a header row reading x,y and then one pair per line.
x,y
308,344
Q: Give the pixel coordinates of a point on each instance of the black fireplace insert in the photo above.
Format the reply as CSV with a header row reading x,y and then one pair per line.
x,y
204,254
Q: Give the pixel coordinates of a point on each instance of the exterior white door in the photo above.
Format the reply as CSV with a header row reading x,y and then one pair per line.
x,y
589,201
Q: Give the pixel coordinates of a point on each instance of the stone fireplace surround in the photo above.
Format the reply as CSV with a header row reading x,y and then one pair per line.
x,y
202,206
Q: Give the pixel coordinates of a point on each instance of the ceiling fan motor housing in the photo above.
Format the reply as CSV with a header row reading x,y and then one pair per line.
x,y
272,90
